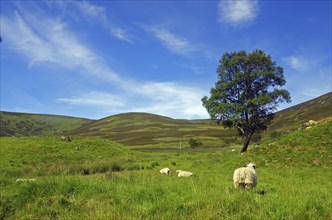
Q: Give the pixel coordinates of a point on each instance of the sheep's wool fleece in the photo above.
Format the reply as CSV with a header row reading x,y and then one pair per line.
x,y
245,177
165,171
184,174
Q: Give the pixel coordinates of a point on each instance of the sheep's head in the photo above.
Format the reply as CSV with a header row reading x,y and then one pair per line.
x,y
251,164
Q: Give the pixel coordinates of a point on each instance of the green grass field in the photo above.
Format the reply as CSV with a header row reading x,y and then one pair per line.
x,y
95,178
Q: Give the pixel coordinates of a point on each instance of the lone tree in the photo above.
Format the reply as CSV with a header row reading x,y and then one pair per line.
x,y
245,96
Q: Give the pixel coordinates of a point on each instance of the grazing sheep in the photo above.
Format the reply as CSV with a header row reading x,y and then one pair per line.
x,y
245,177
64,138
308,124
26,180
182,173
165,171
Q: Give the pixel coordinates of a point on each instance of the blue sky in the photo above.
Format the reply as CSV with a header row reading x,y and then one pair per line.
x,y
93,59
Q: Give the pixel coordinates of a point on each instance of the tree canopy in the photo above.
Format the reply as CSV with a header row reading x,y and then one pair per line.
x,y
247,92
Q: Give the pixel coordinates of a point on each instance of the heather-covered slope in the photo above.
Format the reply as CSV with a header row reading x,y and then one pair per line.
x,y
24,124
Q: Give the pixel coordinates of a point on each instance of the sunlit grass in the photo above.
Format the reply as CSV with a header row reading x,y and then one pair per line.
x,y
294,180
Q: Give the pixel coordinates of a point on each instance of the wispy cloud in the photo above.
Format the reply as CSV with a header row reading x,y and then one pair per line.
x,y
300,63
173,99
237,12
312,76
48,41
45,41
90,9
95,98
121,34
164,98
98,14
173,42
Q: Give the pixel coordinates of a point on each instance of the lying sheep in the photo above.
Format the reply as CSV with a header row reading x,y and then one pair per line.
x,y
165,171
26,180
245,177
182,173
64,138
308,124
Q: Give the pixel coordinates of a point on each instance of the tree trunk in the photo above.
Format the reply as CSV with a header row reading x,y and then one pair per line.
x,y
247,141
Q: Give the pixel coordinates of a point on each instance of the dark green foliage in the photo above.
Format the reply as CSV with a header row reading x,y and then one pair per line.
x,y
135,167
116,167
245,96
193,143
100,168
155,164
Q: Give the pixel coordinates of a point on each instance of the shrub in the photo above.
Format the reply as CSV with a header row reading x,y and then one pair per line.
x,y
193,143
148,167
85,171
135,167
116,167
155,164
101,169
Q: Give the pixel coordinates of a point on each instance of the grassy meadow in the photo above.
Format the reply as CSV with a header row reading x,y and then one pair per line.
x,y
95,178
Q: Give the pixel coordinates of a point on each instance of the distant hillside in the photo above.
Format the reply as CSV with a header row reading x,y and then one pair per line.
x,y
134,129
23,124
138,129
292,118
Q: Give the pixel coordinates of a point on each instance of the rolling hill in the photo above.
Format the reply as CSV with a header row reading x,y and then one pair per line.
x,y
137,129
24,124
155,131
292,118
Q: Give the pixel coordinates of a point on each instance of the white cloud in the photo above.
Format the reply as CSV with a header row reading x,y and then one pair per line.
x,y
96,99
164,98
300,63
47,41
121,34
173,42
237,12
172,99
91,10
98,14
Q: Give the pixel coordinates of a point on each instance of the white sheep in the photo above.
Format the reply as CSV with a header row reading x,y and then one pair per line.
x,y
245,177
165,171
182,173
64,138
